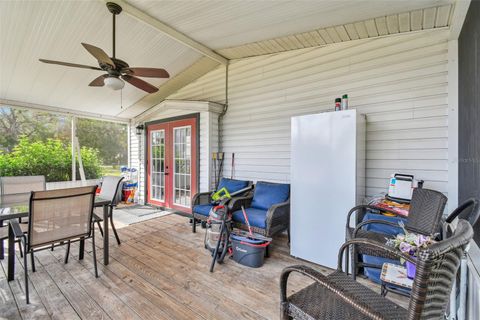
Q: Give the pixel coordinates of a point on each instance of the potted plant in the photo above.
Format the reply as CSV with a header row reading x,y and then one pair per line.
x,y
409,243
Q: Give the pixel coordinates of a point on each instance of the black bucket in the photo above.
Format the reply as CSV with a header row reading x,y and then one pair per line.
x,y
248,251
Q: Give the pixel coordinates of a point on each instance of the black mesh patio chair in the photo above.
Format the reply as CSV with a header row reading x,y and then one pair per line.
x,y
424,217
202,202
338,296
267,209
17,187
111,185
57,217
21,184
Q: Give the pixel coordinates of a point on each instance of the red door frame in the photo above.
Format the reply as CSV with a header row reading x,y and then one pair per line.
x,y
168,125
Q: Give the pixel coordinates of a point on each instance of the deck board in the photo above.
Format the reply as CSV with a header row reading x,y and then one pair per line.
x,y
160,271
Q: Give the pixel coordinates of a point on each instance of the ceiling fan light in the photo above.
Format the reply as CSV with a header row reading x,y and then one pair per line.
x,y
114,83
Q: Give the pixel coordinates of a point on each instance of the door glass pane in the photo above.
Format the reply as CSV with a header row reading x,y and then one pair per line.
x,y
182,148
157,165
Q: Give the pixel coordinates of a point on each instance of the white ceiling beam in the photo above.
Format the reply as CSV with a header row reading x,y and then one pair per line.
x,y
458,18
62,111
169,31
201,67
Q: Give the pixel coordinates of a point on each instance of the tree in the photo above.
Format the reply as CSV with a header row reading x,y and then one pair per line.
x,y
109,138
37,126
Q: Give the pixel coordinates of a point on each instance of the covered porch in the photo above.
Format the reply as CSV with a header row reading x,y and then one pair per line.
x,y
219,96
159,272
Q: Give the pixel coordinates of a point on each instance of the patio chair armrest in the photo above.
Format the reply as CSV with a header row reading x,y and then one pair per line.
x,y
328,284
236,203
364,207
373,244
278,214
17,231
201,198
364,223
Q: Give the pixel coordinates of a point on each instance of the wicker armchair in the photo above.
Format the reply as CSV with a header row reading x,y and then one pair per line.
x,y
338,296
425,217
469,211
202,202
268,209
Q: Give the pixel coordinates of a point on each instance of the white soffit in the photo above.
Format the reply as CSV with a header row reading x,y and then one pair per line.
x,y
421,19
30,30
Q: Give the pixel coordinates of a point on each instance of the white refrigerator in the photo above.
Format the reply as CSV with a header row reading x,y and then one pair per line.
x,y
327,180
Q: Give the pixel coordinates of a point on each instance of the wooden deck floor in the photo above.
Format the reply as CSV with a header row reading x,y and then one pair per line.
x,y
159,272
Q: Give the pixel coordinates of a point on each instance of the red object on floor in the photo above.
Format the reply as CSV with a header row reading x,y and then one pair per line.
x,y
126,194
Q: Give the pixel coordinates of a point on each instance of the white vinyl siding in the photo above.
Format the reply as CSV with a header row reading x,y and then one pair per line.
x,y
399,82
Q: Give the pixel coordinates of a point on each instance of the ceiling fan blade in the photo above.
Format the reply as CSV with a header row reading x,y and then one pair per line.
x,y
99,54
68,64
139,83
99,81
147,72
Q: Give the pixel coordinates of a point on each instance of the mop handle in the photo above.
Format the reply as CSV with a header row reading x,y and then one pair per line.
x,y
246,220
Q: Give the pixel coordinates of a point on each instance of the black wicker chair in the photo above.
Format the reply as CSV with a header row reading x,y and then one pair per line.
x,y
202,202
469,211
338,296
425,217
268,209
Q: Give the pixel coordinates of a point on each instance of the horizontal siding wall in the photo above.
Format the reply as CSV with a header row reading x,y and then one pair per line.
x,y
399,82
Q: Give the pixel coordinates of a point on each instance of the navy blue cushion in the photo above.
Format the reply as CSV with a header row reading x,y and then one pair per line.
x,y
232,185
373,273
256,217
203,209
267,194
381,228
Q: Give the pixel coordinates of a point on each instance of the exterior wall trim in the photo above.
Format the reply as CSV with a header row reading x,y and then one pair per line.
x,y
194,106
195,116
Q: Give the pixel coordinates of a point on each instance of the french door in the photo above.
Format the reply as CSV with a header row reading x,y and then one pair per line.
x,y
172,164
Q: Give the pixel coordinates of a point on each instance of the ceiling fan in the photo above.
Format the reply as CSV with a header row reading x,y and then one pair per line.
x,y
116,69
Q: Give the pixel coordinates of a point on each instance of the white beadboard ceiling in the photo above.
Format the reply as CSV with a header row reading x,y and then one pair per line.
x,y
30,30
220,24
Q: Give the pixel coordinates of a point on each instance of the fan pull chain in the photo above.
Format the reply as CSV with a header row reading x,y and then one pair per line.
x,y
121,99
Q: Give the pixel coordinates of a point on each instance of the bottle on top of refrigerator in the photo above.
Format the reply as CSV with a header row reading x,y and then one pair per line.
x,y
345,102
338,104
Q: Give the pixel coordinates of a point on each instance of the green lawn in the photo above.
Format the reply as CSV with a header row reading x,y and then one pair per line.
x,y
111,170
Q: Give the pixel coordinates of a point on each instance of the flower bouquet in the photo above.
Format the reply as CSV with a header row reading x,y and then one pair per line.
x,y
409,243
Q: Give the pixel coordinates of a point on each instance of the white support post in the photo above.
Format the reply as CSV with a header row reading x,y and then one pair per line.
x,y
80,162
72,141
452,125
